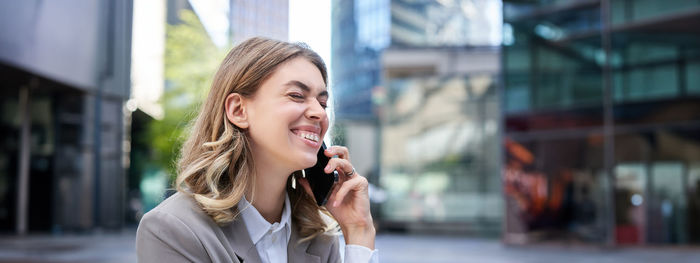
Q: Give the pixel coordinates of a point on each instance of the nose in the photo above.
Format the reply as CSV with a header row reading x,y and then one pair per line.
x,y
315,111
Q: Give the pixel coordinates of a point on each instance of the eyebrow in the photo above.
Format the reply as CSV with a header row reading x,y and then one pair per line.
x,y
305,87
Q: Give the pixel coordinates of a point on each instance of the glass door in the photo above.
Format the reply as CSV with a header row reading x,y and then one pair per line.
x,y
667,205
9,154
693,202
630,203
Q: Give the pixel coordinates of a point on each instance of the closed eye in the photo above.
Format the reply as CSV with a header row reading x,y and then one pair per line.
x,y
300,98
296,96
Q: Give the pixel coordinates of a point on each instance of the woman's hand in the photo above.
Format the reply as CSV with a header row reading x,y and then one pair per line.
x,y
349,199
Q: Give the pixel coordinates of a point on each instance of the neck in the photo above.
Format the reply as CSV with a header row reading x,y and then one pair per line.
x,y
270,188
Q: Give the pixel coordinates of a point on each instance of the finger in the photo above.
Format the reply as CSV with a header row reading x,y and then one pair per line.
x,y
341,165
341,151
358,183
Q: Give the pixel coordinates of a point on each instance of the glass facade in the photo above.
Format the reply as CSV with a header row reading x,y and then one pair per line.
x,y
601,118
268,18
445,23
56,163
362,29
359,34
439,140
9,157
61,116
421,76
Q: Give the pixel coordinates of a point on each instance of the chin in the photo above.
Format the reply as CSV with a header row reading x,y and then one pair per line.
x,y
303,159
308,161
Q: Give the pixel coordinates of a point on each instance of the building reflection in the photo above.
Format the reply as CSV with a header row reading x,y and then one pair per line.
x,y
601,121
416,101
551,188
438,137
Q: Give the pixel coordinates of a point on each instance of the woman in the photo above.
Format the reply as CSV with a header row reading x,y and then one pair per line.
x,y
264,118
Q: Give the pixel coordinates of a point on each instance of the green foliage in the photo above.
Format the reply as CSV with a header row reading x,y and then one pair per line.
x,y
191,59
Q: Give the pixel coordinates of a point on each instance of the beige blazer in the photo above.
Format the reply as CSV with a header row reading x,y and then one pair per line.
x,y
178,230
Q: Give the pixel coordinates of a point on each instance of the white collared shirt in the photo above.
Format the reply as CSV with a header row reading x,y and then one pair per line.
x,y
271,239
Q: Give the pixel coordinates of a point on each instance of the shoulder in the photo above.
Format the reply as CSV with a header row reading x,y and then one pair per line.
x,y
179,226
178,210
178,214
175,204
171,228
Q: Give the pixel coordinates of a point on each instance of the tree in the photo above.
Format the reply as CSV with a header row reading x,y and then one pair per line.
x,y
191,59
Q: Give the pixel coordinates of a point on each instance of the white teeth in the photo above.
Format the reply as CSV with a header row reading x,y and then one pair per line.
x,y
309,136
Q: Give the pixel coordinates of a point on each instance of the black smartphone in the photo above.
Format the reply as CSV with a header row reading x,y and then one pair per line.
x,y
321,182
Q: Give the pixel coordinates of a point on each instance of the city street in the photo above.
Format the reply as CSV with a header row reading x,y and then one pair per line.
x,y
118,247
400,248
571,127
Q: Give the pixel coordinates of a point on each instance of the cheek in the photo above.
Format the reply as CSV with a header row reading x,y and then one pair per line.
x,y
282,119
281,115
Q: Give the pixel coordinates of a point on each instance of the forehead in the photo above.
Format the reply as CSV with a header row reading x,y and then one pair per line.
x,y
298,69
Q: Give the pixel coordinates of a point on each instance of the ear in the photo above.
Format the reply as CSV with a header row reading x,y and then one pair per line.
x,y
235,110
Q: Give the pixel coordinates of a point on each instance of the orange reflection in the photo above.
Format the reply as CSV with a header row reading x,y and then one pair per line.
x,y
541,202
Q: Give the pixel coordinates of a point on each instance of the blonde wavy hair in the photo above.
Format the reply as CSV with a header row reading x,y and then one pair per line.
x,y
216,166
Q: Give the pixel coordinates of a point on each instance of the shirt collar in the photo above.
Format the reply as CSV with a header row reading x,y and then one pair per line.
x,y
256,224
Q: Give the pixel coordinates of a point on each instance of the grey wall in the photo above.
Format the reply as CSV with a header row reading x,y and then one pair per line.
x,y
57,39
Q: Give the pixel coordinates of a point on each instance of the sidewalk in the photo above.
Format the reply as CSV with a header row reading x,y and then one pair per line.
x,y
119,247
438,249
104,248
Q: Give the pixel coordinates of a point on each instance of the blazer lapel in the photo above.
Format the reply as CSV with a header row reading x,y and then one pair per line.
x,y
238,237
243,247
297,252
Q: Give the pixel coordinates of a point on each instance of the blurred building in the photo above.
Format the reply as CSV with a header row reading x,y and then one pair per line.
x,y
359,33
64,66
602,121
414,86
229,22
266,18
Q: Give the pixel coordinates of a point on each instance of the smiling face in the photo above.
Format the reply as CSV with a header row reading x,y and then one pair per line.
x,y
287,117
